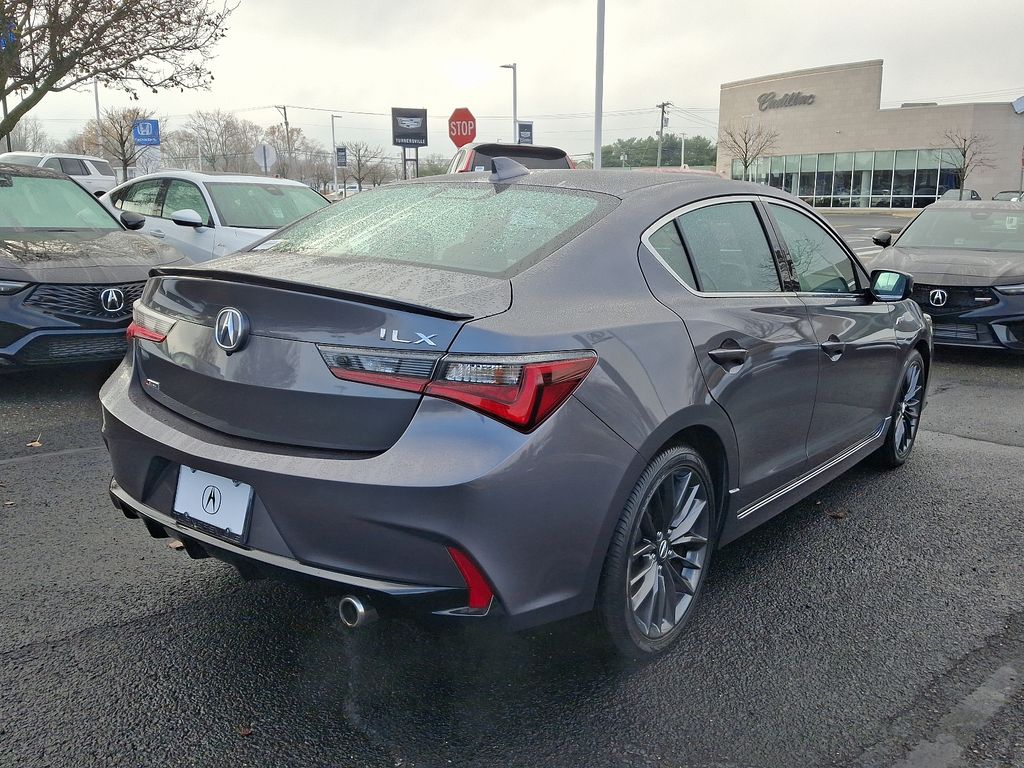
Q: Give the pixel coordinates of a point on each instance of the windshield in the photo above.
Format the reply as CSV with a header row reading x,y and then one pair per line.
x,y
262,206
976,230
480,228
53,204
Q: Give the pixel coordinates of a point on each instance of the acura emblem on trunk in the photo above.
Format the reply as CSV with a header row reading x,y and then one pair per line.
x,y
112,299
231,330
938,297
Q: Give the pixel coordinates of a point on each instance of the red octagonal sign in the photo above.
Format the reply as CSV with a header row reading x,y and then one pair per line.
x,y
461,127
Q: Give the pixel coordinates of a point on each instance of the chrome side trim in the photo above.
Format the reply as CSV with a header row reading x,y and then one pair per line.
x,y
814,472
375,585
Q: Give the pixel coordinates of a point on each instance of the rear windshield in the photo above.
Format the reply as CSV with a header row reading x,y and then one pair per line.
x,y
481,228
49,204
262,206
16,159
976,230
482,158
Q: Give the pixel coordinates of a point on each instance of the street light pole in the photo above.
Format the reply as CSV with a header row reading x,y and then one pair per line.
x,y
599,85
515,106
682,152
99,131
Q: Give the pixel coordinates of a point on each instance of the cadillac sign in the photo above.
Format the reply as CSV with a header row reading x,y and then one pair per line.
x,y
772,100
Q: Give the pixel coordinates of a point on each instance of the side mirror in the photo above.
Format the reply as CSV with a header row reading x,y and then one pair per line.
x,y
882,238
188,218
889,285
133,220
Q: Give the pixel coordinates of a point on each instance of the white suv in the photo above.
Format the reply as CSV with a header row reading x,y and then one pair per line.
x,y
93,173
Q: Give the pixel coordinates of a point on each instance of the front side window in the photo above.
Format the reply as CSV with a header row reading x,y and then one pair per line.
x,y
729,249
143,198
73,167
821,265
184,194
262,206
480,228
49,204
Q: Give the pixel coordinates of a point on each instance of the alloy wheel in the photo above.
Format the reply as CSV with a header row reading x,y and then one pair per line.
x,y
668,551
908,410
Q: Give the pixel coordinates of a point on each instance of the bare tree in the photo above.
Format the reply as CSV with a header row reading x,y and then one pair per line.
x,y
128,44
116,134
433,165
747,142
381,172
30,136
972,150
361,159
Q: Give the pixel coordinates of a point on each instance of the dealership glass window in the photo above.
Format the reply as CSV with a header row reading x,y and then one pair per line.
x,y
949,170
737,169
761,170
776,172
842,181
791,182
881,179
926,187
823,181
808,164
860,189
903,178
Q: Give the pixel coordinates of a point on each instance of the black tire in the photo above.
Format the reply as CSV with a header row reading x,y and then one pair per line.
x,y
642,624
906,415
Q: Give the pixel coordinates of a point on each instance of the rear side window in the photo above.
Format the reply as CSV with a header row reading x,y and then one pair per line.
x,y
143,198
481,228
73,167
729,249
820,264
102,167
668,245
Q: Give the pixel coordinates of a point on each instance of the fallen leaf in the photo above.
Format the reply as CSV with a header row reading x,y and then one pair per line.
x,y
8,503
244,730
175,544
837,514
35,443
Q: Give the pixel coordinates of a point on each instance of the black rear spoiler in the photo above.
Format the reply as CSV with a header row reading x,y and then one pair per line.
x,y
316,290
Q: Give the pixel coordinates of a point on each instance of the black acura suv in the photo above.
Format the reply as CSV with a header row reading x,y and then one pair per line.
x,y
69,271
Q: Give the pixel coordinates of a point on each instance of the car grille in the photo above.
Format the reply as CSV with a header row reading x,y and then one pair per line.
x,y
79,347
83,300
963,332
959,298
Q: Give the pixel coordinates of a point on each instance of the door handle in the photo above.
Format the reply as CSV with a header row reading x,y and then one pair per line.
x,y
833,347
158,233
728,356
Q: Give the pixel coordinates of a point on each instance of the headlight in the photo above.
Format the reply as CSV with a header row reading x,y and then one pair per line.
x,y
8,287
1009,290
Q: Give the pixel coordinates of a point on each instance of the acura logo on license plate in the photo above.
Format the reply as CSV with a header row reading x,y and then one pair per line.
x,y
938,298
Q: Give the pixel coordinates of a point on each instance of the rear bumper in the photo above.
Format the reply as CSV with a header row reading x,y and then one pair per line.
x,y
535,512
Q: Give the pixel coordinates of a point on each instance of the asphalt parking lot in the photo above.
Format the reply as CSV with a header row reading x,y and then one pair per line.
x,y
878,623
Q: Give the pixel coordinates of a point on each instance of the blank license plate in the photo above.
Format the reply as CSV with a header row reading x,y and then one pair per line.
x,y
214,501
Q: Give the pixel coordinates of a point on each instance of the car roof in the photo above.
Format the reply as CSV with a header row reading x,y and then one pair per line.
x,y
30,171
621,183
198,176
26,153
976,205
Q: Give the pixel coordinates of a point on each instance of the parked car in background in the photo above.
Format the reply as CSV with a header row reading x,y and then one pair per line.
x,y
955,194
1009,195
478,157
360,401
69,271
206,215
93,173
967,260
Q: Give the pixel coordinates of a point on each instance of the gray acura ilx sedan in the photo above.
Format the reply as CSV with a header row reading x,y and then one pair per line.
x,y
516,396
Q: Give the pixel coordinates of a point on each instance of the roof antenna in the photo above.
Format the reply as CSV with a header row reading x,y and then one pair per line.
x,y
505,168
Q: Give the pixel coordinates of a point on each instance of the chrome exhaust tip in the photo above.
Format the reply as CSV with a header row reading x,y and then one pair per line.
x,y
354,613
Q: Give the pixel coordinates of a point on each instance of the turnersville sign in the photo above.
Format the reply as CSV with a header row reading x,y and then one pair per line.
x,y
408,127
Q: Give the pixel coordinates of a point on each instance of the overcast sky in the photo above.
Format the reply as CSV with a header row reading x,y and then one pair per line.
x,y
368,56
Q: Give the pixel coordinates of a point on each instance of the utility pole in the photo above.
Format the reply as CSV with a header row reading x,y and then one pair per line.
x,y
661,127
99,130
287,136
599,85
682,152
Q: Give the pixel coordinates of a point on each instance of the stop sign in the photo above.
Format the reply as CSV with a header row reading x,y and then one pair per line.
x,y
461,127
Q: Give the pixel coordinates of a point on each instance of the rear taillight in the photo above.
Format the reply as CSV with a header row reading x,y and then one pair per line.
x,y
521,391
149,325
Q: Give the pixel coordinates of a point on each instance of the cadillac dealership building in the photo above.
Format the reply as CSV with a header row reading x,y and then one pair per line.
x,y
837,147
